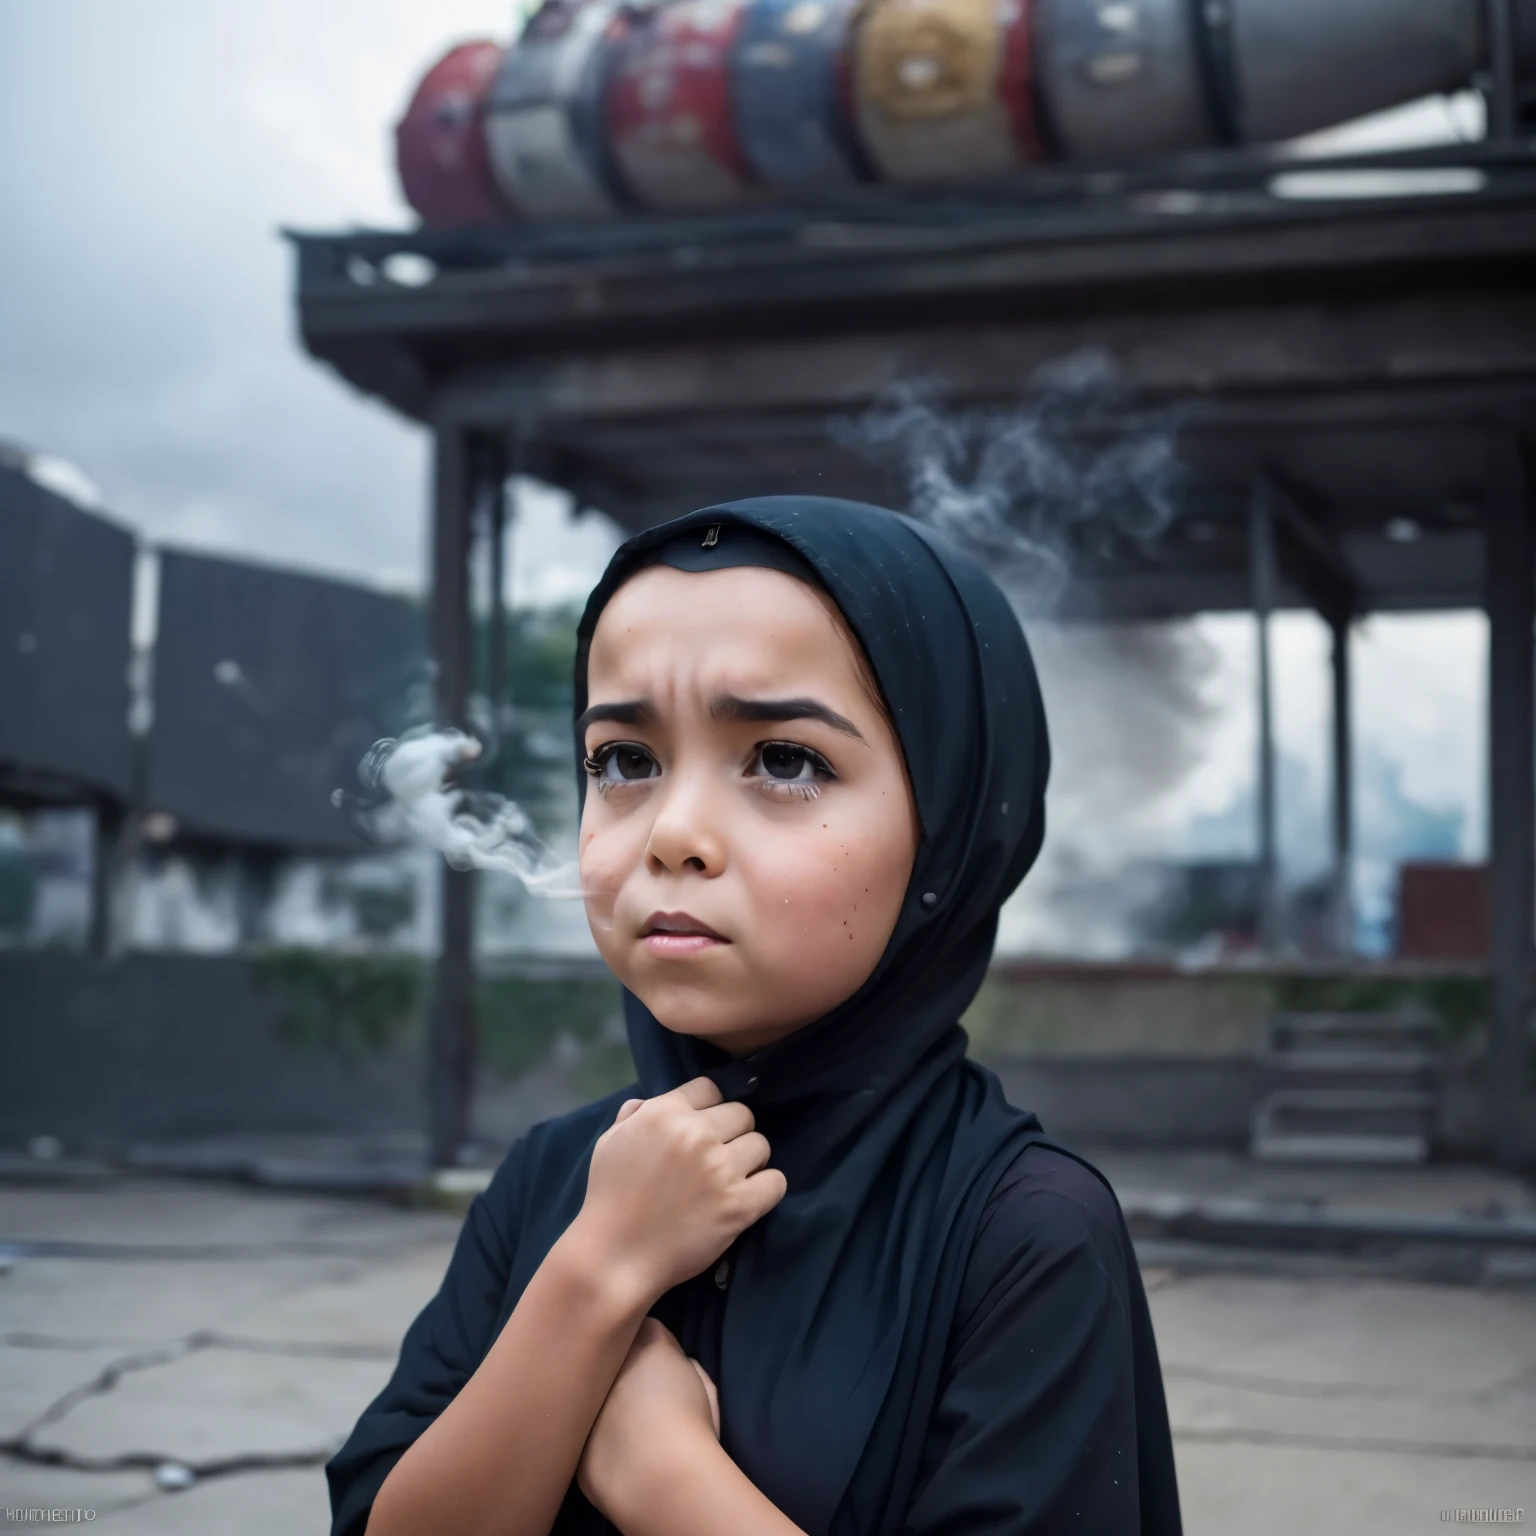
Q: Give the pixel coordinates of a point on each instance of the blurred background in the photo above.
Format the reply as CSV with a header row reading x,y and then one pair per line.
x,y
342,344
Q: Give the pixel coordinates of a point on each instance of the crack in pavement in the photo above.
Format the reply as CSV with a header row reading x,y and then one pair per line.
x,y
70,1248
213,1339
1352,1444
147,1461
21,1446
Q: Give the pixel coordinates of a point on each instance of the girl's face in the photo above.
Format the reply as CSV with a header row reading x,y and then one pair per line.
x,y
747,840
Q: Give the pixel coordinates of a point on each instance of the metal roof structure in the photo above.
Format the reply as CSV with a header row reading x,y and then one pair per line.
x,y
1342,353
1355,351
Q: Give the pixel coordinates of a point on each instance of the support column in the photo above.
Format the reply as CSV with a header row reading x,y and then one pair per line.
x,y
1342,915
1511,596
452,1026
496,630
1261,550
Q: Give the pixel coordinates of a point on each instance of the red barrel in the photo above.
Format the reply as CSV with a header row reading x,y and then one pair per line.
x,y
445,171
944,88
670,123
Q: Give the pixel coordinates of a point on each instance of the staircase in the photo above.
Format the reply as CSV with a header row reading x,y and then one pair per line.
x,y
1348,1088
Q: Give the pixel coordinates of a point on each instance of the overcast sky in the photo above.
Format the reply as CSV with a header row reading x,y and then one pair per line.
x,y
151,151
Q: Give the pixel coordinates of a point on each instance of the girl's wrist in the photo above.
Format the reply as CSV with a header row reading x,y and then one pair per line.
x,y
588,1261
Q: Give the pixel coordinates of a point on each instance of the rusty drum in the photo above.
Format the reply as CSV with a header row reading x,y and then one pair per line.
x,y
440,149
669,109
944,88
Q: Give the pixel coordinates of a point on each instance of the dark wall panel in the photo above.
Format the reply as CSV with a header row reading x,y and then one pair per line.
x,y
269,688
151,1046
66,595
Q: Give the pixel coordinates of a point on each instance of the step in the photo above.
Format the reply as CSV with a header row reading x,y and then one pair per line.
x,y
1394,1063
1339,1030
1343,1125
1337,1147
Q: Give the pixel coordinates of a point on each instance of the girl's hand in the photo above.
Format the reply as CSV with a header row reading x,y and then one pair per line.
x,y
661,1411
672,1183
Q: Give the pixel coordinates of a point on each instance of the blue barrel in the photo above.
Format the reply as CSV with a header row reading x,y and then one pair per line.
x,y
792,86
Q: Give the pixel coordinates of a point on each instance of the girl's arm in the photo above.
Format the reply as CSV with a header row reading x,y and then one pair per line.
x,y
499,1458
670,1186
654,1464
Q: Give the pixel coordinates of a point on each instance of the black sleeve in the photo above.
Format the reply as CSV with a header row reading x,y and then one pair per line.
x,y
443,1348
1035,1430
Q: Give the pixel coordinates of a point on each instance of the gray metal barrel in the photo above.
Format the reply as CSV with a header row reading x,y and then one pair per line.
x,y
1309,64
1125,80
544,115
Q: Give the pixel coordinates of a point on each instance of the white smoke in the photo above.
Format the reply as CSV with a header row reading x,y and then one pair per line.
x,y
1028,491
415,803
1035,493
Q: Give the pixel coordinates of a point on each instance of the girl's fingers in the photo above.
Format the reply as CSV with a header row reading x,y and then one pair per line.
x,y
728,1121
700,1092
626,1109
746,1154
766,1188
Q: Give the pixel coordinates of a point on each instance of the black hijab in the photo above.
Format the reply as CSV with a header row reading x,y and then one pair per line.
x,y
829,1346
889,1137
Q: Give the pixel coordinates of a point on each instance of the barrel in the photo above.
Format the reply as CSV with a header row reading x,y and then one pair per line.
x,y
1124,80
440,148
792,82
544,114
670,121
1309,64
943,88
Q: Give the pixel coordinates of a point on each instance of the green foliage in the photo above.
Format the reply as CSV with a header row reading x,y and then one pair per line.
x,y
1460,1003
357,1006
541,654
520,1020
354,1006
534,760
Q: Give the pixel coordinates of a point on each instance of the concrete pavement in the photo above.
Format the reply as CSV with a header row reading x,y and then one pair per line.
x,y
158,1327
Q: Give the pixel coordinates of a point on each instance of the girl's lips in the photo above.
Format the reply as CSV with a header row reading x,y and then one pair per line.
x,y
678,933
676,944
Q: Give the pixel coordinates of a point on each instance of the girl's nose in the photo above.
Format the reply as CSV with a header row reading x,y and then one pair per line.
x,y
685,836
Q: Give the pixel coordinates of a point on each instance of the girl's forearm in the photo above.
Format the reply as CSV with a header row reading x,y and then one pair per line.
x,y
499,1459
693,1488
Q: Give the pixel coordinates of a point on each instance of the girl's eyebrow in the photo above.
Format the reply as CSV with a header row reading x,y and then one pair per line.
x,y
727,706
625,712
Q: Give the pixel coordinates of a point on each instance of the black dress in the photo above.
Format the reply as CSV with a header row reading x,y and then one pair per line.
x,y
1035,1431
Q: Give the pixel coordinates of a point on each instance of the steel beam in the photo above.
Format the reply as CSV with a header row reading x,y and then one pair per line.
x,y
1262,573
1342,915
1511,599
451,1063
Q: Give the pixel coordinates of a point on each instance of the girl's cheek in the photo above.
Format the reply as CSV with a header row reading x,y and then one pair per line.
x,y
605,863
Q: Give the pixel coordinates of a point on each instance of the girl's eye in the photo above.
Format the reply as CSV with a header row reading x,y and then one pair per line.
x,y
621,762
784,767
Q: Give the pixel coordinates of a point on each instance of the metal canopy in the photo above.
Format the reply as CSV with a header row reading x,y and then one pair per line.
x,y
1360,353
1350,383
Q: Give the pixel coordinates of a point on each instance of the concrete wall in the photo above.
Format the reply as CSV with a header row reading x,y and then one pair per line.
x,y
151,1047
155,1046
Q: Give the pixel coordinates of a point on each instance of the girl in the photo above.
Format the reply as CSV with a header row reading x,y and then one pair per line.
x,y
821,1277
